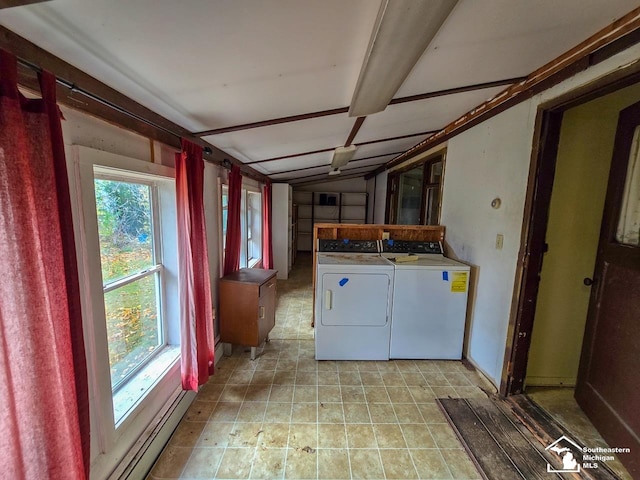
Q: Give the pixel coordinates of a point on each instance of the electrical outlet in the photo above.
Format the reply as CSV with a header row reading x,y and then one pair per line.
x,y
385,235
499,241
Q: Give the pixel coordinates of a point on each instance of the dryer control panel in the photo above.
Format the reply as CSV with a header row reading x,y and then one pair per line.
x,y
348,246
410,246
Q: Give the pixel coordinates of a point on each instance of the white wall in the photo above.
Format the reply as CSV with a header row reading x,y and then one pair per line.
x,y
487,161
380,198
371,185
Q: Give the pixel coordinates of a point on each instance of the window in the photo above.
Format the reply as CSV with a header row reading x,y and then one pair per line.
x,y
125,218
413,196
250,225
131,264
224,213
254,227
129,223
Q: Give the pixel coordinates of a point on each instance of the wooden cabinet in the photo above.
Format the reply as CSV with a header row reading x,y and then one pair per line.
x,y
247,307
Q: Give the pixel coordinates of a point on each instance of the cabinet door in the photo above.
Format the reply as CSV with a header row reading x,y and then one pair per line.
x,y
266,313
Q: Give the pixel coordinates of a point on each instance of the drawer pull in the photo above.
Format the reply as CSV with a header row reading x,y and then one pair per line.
x,y
327,299
261,313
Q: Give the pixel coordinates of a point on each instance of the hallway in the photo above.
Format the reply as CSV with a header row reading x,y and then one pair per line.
x,y
286,415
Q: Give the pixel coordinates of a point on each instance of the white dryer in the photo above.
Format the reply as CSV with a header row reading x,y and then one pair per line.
x,y
429,302
353,302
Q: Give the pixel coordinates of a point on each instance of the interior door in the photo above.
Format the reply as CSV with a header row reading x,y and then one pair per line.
x,y
608,387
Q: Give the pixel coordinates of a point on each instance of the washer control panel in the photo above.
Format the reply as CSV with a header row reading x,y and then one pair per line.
x,y
410,246
346,245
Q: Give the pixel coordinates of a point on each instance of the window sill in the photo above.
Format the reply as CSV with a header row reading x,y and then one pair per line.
x,y
253,262
136,388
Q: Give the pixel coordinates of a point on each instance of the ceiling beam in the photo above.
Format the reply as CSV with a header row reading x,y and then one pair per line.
x,y
303,154
325,165
80,91
327,179
354,131
327,173
18,3
337,111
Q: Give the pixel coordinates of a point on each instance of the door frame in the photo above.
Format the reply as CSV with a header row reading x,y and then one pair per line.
x,y
536,216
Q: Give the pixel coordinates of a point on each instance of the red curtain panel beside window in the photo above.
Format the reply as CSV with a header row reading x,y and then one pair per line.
x,y
232,245
44,425
267,247
196,317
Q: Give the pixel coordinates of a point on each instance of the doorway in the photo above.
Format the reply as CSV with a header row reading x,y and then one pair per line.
x,y
583,160
564,241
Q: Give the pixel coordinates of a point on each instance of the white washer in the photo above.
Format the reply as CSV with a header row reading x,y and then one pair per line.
x,y
353,306
429,306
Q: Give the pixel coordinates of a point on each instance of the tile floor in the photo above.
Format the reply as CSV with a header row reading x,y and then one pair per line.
x,y
285,415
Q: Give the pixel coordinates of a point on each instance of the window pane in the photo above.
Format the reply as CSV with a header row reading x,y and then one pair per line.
x,y
628,231
133,329
432,203
435,172
124,228
409,197
254,232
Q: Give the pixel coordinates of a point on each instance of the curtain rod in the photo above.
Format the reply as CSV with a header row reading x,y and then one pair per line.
x,y
71,86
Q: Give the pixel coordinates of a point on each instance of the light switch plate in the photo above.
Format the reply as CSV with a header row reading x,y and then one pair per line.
x,y
499,241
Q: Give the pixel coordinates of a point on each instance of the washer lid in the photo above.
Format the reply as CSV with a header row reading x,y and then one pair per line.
x,y
350,259
435,262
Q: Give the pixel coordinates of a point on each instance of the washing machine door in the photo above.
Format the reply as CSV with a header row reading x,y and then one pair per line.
x,y
355,299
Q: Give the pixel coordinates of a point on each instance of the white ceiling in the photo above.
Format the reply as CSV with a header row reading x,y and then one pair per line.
x,y
208,64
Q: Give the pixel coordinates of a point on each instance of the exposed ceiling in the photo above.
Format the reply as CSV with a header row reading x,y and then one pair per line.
x,y
212,64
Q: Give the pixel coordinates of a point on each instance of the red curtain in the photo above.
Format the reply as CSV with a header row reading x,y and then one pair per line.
x,y
232,244
196,318
267,247
44,426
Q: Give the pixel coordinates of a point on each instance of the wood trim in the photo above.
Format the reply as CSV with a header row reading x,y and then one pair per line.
x,y
292,155
538,198
18,3
370,142
453,91
354,131
325,165
617,36
338,111
80,91
327,172
325,179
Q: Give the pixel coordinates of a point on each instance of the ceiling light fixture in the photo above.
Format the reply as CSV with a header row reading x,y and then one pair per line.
x,y
342,155
401,34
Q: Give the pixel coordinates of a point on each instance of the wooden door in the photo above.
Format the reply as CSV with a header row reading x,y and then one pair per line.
x,y
608,387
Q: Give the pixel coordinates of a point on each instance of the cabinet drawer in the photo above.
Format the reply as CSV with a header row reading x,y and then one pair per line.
x,y
268,286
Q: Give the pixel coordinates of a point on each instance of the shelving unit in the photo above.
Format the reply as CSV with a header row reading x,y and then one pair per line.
x,y
327,207
353,208
304,201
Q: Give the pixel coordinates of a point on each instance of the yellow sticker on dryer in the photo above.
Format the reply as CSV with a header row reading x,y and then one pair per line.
x,y
459,282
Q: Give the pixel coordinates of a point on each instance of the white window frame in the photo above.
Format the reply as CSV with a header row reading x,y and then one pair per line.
x,y
245,262
110,442
157,267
